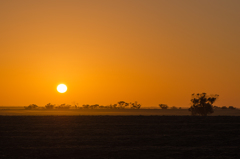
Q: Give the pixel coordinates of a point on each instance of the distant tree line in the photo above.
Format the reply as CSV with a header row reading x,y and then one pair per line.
x,y
31,106
165,106
48,106
225,107
118,105
201,104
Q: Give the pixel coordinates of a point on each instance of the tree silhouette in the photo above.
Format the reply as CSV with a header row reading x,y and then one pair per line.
x,y
85,106
49,106
114,106
122,104
173,107
202,104
31,106
95,106
224,107
163,106
63,106
135,105
232,107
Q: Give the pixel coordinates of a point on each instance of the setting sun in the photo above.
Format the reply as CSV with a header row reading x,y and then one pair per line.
x,y
61,88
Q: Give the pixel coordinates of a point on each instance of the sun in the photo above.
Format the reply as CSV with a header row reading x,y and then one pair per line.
x,y
61,88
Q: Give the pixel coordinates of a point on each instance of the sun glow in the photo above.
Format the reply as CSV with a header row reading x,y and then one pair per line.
x,y
61,88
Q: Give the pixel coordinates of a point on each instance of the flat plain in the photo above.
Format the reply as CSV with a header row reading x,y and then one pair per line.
x,y
119,137
114,112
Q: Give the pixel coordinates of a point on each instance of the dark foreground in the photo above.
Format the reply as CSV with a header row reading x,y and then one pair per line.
x,y
119,137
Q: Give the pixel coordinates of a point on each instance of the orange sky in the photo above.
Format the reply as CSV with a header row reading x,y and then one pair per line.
x,y
150,51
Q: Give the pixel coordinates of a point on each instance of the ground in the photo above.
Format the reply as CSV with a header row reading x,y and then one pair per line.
x,y
114,112
119,137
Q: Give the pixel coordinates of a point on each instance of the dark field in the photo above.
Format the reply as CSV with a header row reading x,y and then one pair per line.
x,y
114,112
119,137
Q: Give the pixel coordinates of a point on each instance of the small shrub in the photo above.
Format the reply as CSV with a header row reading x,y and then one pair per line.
x,y
173,107
232,107
224,107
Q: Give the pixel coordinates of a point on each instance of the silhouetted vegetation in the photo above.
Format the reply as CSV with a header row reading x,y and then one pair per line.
x,y
216,107
31,106
122,104
85,106
225,107
49,106
232,107
173,107
95,106
163,106
135,105
63,106
119,105
202,104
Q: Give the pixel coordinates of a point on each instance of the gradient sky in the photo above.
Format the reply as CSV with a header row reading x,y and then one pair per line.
x,y
150,51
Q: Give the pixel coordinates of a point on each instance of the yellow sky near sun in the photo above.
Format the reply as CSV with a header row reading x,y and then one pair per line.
x,y
105,51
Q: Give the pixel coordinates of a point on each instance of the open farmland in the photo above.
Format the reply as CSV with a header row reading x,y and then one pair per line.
x,y
114,112
119,137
